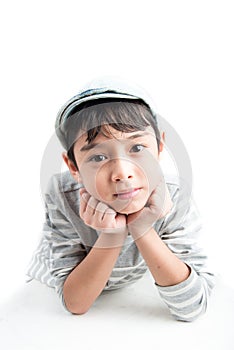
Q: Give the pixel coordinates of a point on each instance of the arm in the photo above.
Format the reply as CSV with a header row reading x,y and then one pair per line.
x,y
164,266
172,254
181,231
63,259
85,283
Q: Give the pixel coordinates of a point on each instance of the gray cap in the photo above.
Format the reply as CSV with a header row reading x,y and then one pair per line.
x,y
96,89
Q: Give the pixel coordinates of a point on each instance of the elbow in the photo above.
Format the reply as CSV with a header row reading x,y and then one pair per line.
x,y
191,309
191,316
76,309
184,318
76,305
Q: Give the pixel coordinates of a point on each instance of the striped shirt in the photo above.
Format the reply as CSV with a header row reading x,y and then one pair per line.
x,y
66,240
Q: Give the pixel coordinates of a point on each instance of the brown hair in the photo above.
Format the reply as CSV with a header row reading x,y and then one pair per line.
x,y
95,117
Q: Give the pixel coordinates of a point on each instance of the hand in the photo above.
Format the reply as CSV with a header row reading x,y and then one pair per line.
x,y
159,204
99,216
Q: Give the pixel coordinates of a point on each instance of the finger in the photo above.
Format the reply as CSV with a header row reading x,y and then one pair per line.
x,y
91,206
84,198
108,219
82,190
100,210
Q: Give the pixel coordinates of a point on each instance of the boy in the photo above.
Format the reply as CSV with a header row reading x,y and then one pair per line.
x,y
112,216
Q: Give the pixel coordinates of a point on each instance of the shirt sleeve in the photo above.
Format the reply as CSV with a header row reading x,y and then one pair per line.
x,y
180,231
60,249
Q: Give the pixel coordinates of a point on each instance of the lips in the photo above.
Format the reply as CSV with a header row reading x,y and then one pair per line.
x,y
127,194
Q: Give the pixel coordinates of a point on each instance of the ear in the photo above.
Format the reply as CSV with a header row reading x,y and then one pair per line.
x,y
72,168
162,141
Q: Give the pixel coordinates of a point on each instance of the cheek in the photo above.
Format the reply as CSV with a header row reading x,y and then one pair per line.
x,y
94,180
150,170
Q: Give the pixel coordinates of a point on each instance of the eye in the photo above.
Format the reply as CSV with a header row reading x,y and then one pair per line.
x,y
137,148
97,158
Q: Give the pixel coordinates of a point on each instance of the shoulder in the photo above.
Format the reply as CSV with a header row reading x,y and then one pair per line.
x,y
184,210
61,186
173,184
181,195
62,182
179,188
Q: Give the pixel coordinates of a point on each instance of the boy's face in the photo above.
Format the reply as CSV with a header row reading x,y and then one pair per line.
x,y
120,169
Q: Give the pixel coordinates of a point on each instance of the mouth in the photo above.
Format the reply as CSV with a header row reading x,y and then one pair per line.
x,y
129,193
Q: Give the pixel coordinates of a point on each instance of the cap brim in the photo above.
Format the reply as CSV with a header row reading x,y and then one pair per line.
x,y
76,102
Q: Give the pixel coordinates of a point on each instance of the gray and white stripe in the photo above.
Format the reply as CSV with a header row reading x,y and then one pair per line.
x,y
63,246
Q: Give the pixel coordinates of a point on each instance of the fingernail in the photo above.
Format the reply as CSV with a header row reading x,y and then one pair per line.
x,y
84,195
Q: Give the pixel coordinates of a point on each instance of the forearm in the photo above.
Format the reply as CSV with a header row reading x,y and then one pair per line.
x,y
164,265
184,285
85,283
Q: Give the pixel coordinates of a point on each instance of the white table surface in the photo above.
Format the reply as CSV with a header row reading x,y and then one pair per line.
x,y
130,318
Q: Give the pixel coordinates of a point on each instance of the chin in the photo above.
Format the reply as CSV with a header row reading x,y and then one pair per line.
x,y
132,208
128,212
129,206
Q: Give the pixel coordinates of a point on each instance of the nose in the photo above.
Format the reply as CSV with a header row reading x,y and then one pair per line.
x,y
121,170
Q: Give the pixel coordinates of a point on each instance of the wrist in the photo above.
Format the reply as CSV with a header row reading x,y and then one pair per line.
x,y
111,239
139,232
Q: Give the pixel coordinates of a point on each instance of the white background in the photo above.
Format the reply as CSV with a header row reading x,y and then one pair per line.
x,y
181,52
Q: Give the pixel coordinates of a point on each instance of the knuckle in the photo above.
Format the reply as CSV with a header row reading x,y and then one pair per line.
x,y
110,211
101,207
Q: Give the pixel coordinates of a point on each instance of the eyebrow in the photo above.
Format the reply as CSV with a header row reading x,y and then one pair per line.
x,y
95,144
